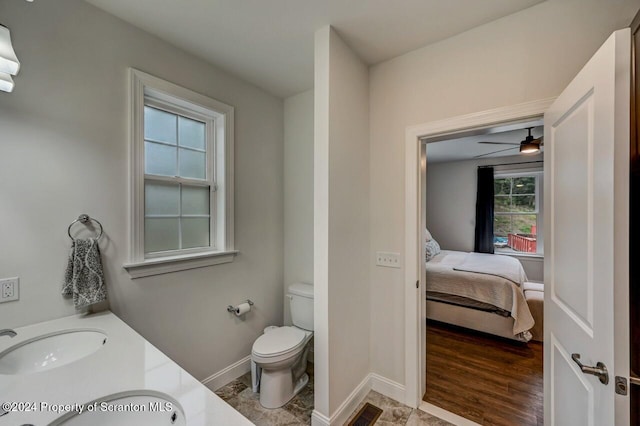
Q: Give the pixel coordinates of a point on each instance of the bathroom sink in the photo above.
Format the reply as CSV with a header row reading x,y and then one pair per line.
x,y
51,350
135,408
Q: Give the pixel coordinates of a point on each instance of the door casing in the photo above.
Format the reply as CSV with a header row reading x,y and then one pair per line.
x,y
415,178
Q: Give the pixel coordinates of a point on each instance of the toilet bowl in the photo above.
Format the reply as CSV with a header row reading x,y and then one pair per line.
x,y
279,356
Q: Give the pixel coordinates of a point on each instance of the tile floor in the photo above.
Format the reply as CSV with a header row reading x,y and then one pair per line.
x,y
395,413
240,396
297,412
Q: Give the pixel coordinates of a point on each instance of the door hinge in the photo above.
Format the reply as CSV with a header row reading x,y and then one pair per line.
x,y
418,284
621,385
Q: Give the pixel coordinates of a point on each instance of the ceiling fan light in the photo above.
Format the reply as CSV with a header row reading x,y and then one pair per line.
x,y
529,148
9,63
6,82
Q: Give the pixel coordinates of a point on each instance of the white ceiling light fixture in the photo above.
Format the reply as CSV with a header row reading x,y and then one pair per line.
x,y
6,82
9,64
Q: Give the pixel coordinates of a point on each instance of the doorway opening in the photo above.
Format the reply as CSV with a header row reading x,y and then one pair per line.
x,y
502,119
484,193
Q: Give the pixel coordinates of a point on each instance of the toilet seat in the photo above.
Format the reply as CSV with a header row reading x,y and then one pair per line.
x,y
278,342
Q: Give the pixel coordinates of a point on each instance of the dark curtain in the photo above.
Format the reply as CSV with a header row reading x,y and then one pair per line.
x,y
484,211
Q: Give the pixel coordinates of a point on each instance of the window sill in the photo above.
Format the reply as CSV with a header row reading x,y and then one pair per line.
x,y
165,265
532,256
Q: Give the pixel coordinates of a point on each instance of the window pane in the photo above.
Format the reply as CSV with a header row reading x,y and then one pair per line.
x,y
524,224
159,125
195,200
502,204
161,234
523,203
524,185
159,159
195,232
161,198
502,225
192,164
502,186
191,133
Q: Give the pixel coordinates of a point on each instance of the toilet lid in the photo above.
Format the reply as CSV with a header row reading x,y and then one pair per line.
x,y
278,341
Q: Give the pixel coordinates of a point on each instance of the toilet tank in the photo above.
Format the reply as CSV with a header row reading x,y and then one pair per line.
x,y
301,302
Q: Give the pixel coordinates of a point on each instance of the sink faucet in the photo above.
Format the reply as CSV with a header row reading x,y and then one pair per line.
x,y
8,332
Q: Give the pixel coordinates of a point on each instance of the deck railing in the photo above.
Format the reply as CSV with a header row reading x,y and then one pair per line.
x,y
523,242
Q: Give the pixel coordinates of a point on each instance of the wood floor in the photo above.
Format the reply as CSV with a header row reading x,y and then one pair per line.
x,y
486,379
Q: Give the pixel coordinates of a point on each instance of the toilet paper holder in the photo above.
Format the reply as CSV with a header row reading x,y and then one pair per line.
x,y
232,308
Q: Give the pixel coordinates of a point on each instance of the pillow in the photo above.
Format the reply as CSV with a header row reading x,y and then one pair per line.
x,y
431,249
427,235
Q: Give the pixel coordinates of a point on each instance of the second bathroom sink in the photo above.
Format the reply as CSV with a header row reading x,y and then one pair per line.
x,y
136,408
51,350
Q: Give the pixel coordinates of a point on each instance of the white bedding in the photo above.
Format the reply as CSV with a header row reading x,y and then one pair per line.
x,y
491,264
487,287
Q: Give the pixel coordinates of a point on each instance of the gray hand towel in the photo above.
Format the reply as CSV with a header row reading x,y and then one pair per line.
x,y
83,278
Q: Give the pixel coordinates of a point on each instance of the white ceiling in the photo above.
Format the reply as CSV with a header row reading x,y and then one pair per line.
x,y
270,42
468,148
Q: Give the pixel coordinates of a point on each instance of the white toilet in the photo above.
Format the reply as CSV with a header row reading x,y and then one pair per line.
x,y
279,356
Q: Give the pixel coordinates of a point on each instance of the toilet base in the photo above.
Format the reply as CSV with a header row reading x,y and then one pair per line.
x,y
301,383
277,388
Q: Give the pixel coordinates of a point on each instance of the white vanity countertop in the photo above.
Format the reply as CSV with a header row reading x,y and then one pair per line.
x,y
127,362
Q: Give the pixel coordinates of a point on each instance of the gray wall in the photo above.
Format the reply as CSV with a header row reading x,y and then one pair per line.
x,y
298,191
526,56
63,151
451,205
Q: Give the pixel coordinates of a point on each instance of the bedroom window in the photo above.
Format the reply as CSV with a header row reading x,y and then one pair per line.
x,y
517,213
182,178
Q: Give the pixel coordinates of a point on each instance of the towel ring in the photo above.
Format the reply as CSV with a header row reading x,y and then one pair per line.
x,y
84,218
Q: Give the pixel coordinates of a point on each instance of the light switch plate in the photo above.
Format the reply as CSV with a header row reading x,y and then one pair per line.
x,y
388,259
9,289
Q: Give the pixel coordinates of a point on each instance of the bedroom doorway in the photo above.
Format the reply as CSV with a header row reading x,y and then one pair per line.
x,y
483,357
587,140
499,119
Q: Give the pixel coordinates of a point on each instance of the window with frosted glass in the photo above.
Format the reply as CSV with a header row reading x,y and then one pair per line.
x,y
177,207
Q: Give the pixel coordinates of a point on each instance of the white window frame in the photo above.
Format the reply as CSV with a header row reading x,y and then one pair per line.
x,y
146,89
538,174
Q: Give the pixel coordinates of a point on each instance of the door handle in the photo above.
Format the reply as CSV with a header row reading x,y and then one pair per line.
x,y
600,370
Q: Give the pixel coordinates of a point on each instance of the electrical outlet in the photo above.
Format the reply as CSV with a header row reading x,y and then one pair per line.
x,y
387,259
9,289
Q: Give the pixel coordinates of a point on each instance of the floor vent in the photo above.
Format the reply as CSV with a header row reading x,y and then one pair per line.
x,y
366,416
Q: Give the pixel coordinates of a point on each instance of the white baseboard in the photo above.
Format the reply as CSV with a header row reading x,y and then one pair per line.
x,y
228,374
318,419
372,381
387,387
348,406
446,415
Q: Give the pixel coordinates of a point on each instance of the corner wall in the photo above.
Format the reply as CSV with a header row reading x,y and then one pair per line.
x,y
530,55
64,143
298,192
341,225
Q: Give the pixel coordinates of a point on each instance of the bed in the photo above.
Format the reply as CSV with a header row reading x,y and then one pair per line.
x,y
483,292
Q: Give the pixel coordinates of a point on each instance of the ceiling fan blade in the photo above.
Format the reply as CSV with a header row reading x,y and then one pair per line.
x,y
499,143
494,152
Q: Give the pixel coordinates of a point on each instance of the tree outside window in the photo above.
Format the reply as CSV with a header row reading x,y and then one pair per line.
x,y
516,212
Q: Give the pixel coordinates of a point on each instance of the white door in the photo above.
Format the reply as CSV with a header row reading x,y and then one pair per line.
x,y
586,255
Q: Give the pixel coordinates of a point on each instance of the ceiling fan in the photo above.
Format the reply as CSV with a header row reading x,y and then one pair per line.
x,y
529,145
